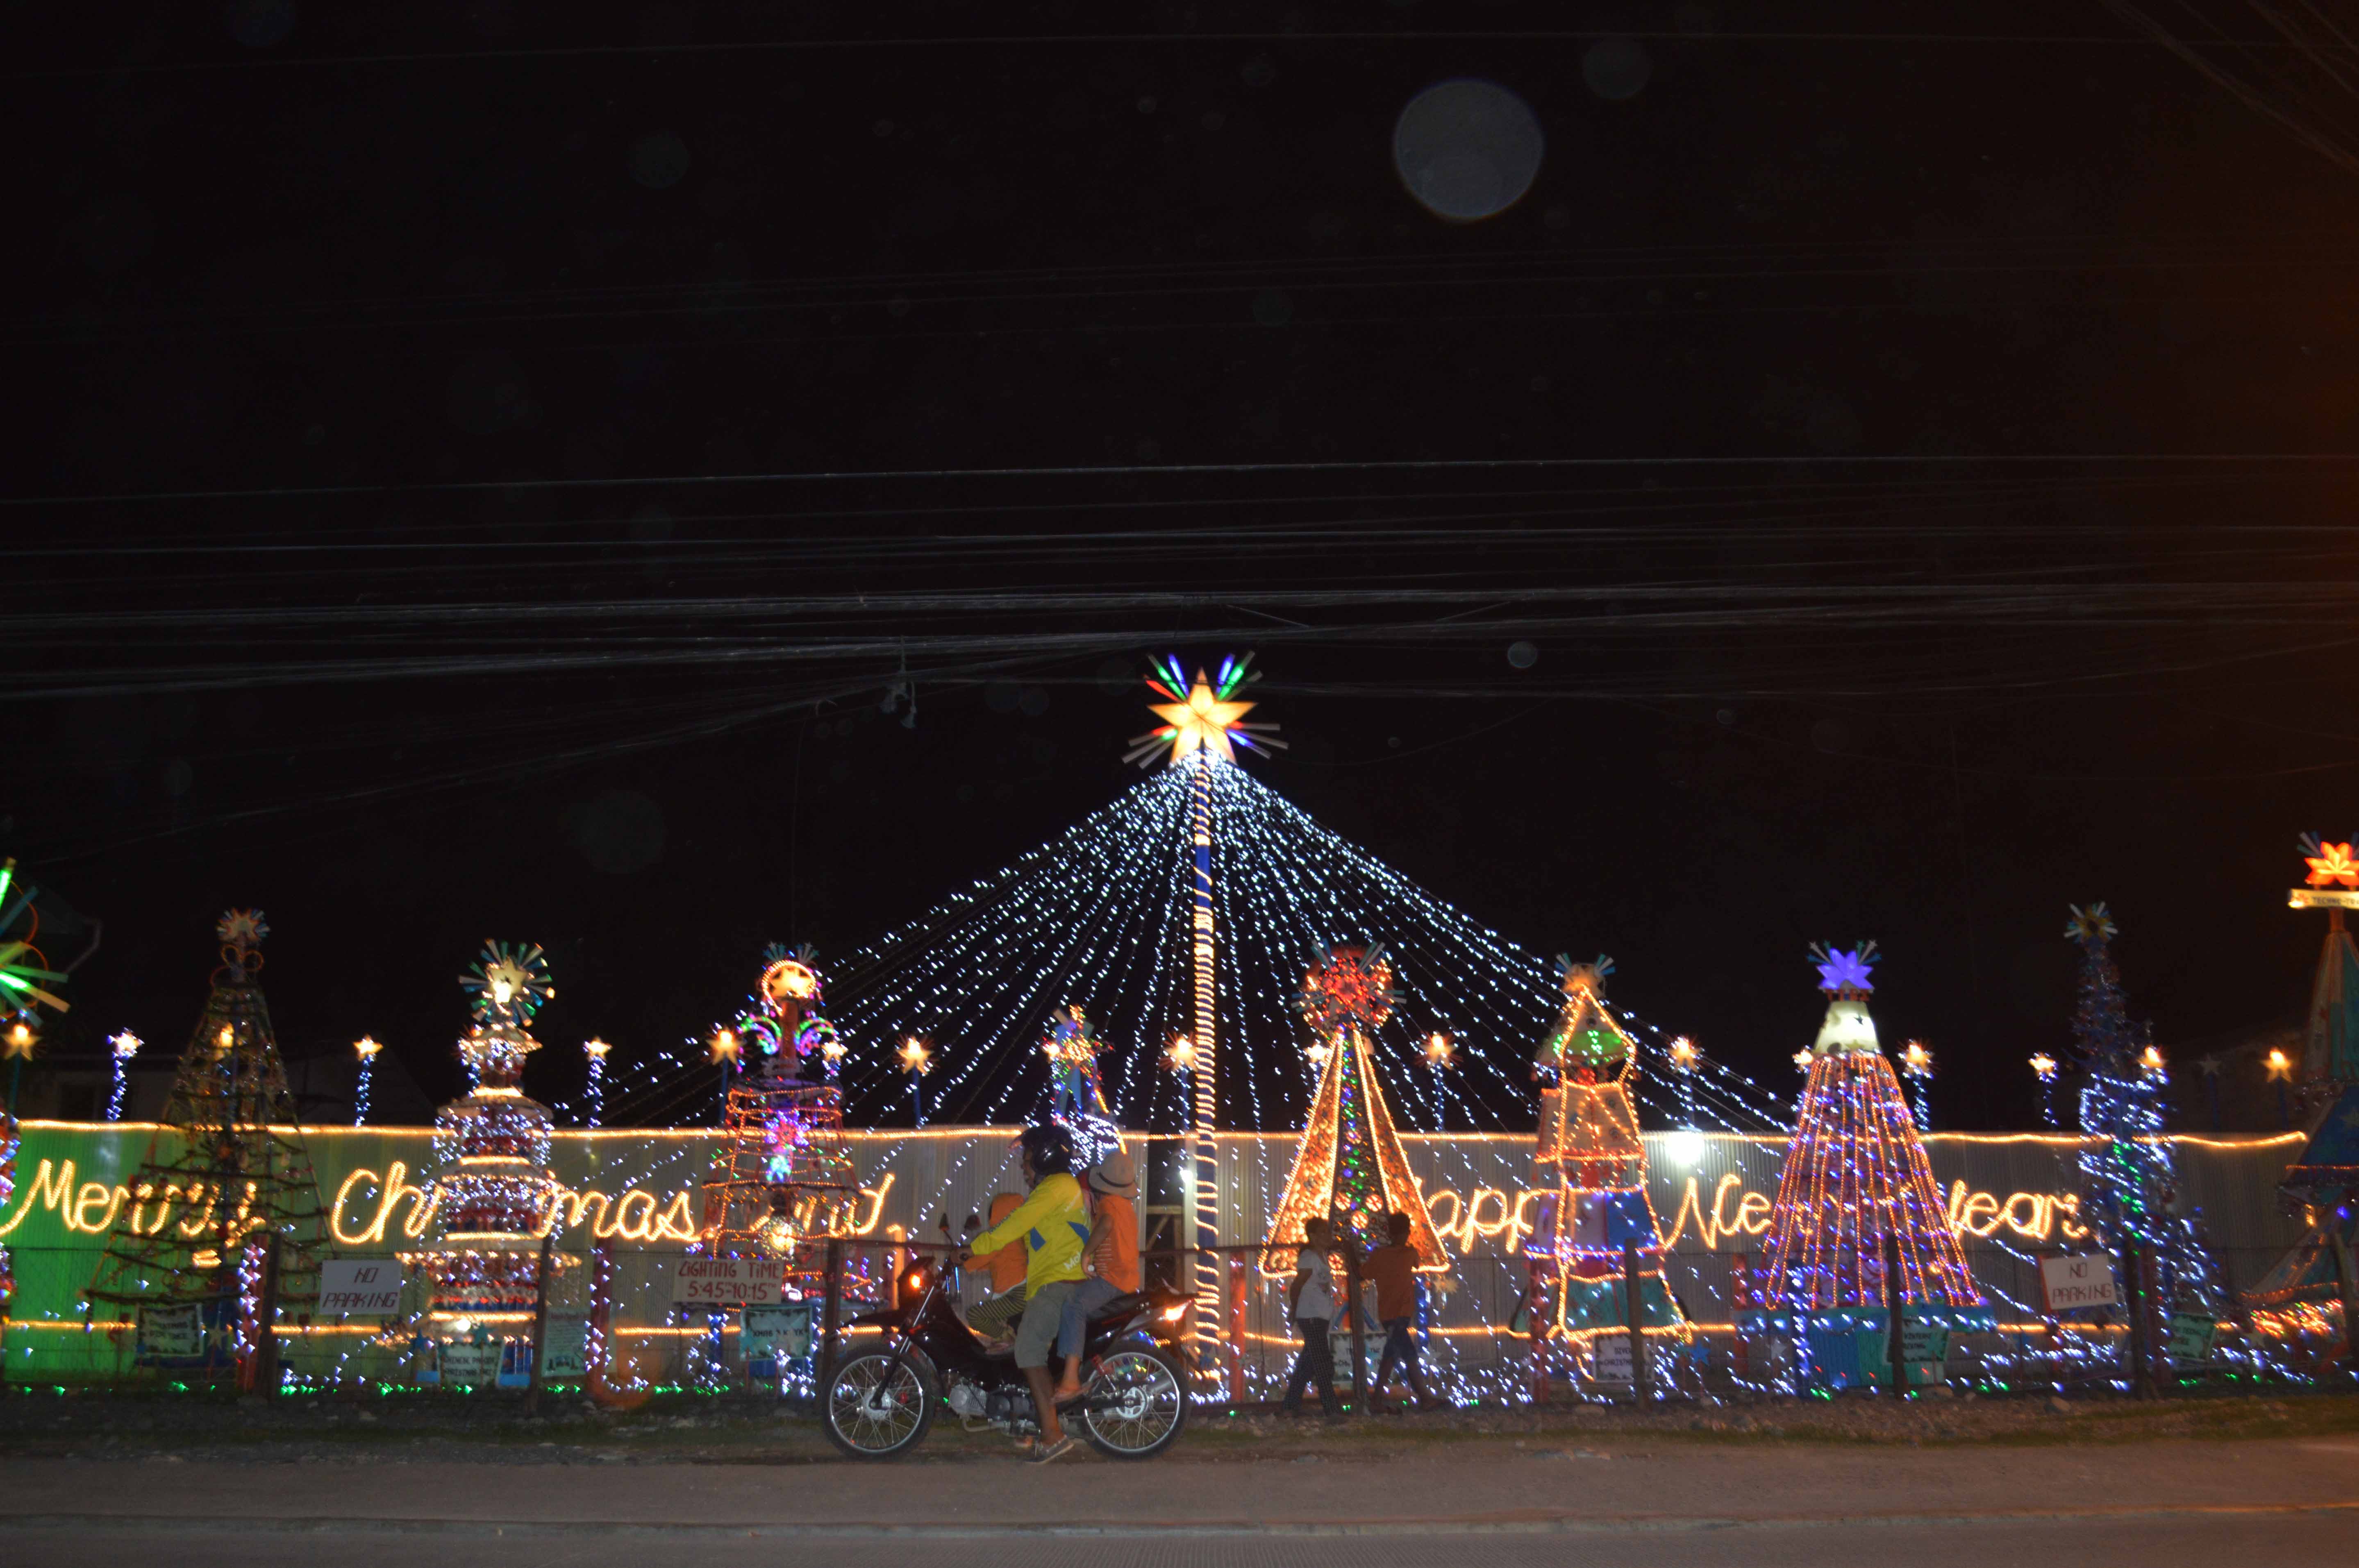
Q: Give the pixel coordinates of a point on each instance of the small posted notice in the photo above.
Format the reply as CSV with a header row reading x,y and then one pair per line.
x,y
728,1282
2079,1280
360,1287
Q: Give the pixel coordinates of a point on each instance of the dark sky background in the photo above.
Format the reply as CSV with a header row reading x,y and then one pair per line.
x,y
474,470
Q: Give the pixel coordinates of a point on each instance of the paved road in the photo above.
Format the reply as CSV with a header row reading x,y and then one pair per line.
x,y
2253,1504
2266,1540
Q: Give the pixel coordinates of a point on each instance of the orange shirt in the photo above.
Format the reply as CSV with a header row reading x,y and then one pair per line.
x,y
1394,1270
1007,1265
1115,1255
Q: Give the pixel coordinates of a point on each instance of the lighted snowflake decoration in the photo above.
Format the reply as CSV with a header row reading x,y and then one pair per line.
x,y
509,984
2330,865
1348,987
1844,970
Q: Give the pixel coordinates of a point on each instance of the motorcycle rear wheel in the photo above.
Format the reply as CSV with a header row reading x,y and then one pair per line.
x,y
1137,1403
877,1410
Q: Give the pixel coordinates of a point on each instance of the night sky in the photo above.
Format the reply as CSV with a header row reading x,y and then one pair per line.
x,y
476,473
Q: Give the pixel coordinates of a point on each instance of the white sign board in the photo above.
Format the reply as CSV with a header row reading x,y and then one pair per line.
x,y
473,1366
565,1348
1613,1363
363,1287
783,1330
728,1282
171,1333
2079,1280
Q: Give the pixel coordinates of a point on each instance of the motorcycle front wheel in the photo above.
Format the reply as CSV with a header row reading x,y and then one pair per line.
x,y
1137,1403
880,1404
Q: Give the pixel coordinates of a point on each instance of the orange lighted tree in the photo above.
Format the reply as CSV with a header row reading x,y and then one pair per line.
x,y
1590,1160
1349,1168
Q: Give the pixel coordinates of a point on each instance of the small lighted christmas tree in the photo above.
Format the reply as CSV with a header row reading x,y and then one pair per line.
x,y
493,1189
2129,1184
1855,1191
225,1172
1349,1168
1590,1159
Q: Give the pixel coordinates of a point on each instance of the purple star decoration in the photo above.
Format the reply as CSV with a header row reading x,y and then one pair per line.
x,y
1846,970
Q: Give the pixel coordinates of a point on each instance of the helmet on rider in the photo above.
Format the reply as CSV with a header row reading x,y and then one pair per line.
x,y
1049,1150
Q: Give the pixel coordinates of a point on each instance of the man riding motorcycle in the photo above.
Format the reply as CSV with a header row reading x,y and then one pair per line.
x,y
1053,1222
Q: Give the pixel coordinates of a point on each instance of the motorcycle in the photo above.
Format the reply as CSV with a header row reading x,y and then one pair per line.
x,y
881,1402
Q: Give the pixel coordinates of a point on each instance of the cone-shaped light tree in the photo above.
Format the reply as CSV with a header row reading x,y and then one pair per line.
x,y
1349,1168
226,1178
1590,1157
2129,1185
1858,1189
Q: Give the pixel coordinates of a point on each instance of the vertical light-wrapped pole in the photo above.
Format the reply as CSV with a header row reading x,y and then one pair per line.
x,y
1203,723
1207,1058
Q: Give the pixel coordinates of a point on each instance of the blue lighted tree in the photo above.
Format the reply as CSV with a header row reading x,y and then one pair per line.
x,y
2129,1183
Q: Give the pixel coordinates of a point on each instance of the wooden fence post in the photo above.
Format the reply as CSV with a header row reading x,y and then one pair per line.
x,y
831,1318
1634,1313
265,1325
1240,1297
1359,1329
1896,1304
539,1323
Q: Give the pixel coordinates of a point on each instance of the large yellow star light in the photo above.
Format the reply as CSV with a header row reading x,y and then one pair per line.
x,y
1202,715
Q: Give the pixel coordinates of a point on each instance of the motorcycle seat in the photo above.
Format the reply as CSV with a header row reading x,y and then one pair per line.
x,y
1121,1306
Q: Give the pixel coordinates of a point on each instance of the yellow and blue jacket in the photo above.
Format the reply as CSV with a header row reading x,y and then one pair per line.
x,y
1054,1223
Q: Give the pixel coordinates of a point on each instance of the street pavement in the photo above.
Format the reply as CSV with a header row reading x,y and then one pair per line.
x,y
1632,1505
2270,1541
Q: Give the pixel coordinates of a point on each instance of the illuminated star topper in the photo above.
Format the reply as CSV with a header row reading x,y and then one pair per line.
x,y
1201,715
1348,986
241,932
2094,924
1842,970
789,979
509,984
2330,865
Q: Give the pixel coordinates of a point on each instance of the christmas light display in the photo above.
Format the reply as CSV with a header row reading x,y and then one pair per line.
x,y
2043,1067
229,1151
1916,1067
595,1050
1440,1056
364,1051
2330,1057
1349,1169
1076,1095
780,1177
2315,1286
1856,1191
24,974
1589,1155
492,1190
121,1048
24,979
2129,1186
